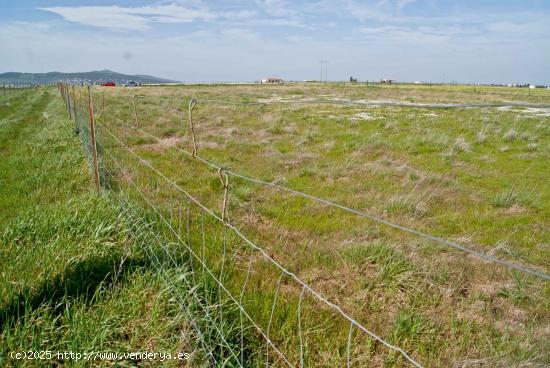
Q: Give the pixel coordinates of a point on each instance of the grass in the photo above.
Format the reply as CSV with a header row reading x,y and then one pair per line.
x,y
82,272
441,171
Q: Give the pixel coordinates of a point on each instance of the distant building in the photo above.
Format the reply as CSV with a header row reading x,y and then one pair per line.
x,y
269,80
132,84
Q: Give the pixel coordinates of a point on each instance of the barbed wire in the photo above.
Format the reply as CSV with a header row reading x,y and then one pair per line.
x,y
224,172
305,286
184,304
189,249
190,288
378,219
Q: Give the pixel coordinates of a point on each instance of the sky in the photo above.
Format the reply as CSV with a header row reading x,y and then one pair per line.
x,y
467,41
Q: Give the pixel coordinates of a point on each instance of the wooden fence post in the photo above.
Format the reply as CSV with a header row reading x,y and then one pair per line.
x,y
74,102
71,103
68,100
74,111
93,140
135,113
65,95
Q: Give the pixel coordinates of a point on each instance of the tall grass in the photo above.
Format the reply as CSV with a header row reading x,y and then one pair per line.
x,y
82,272
425,173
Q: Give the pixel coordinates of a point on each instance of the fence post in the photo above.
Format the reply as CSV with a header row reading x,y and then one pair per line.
x,y
68,100
93,140
71,103
64,86
74,102
135,113
192,105
74,111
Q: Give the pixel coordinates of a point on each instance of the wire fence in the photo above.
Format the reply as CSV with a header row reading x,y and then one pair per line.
x,y
273,303
11,88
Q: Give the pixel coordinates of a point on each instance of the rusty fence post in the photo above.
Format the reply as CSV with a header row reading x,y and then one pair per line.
x,y
93,138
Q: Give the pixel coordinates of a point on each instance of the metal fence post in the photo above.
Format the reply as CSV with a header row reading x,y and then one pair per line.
x,y
93,140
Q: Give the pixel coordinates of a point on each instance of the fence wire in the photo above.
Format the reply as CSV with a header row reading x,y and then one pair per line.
x,y
231,260
117,156
220,167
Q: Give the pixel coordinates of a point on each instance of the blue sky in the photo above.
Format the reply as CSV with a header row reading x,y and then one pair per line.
x,y
212,40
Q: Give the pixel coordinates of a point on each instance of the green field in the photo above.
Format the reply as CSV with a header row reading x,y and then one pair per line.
x,y
76,271
474,175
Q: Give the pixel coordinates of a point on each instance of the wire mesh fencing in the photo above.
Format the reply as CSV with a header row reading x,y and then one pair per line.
x,y
275,316
282,321
11,88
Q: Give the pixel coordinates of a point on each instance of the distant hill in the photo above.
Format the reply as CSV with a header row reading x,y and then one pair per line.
x,y
93,77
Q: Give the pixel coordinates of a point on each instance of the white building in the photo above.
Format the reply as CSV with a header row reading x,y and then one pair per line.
x,y
272,80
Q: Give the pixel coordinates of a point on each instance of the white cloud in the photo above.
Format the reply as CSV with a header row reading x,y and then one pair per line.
x,y
277,8
381,10
132,18
104,16
281,13
141,18
369,39
274,22
410,34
